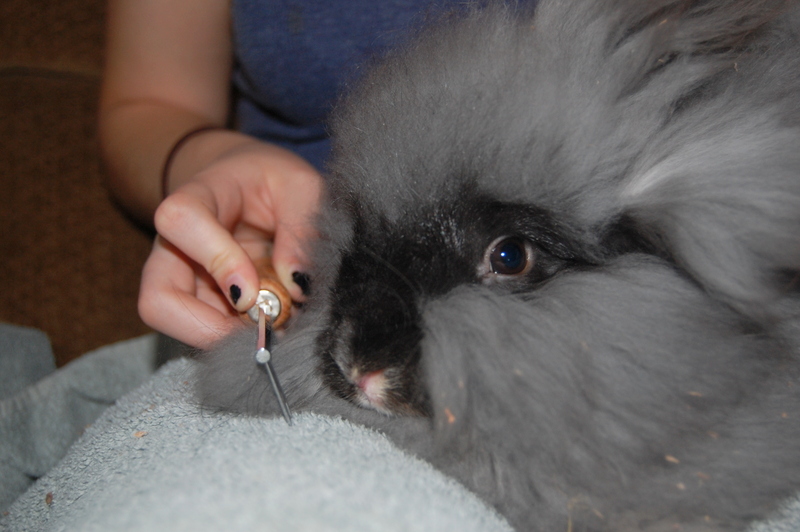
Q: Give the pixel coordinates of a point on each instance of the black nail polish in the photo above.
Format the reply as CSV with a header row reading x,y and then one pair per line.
x,y
236,293
303,281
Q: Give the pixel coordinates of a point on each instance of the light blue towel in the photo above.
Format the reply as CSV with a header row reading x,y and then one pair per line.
x,y
43,411
156,461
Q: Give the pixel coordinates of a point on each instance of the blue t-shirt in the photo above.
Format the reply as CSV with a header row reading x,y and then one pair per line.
x,y
294,57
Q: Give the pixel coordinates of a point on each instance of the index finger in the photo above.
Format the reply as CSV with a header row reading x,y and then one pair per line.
x,y
191,220
296,205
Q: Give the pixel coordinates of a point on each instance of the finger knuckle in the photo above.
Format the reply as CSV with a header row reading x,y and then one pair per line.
x,y
221,264
148,309
174,213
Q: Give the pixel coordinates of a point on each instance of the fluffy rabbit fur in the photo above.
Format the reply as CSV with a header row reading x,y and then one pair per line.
x,y
559,259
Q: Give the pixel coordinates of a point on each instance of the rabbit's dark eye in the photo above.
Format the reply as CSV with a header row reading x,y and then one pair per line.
x,y
507,256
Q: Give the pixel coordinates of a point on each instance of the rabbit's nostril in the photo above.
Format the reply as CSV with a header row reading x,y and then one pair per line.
x,y
373,386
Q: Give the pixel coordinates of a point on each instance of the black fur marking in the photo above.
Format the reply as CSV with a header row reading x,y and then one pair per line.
x,y
392,268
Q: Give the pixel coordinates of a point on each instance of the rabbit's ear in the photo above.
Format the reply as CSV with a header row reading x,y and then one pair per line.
x,y
717,188
726,207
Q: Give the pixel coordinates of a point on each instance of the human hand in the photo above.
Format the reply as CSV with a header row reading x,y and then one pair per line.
x,y
200,274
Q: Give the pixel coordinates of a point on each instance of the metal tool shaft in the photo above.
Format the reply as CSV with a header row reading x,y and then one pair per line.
x,y
264,357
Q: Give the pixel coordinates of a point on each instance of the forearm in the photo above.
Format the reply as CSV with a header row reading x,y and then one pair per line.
x,y
136,138
167,72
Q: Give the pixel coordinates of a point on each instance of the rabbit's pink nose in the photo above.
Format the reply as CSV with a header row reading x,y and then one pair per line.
x,y
373,386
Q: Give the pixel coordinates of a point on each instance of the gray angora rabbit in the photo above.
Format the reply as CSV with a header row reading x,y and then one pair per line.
x,y
559,260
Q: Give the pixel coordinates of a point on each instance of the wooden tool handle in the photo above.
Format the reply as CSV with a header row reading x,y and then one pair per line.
x,y
268,280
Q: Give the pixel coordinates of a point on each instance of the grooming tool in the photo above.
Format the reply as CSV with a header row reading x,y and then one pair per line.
x,y
272,308
272,297
264,357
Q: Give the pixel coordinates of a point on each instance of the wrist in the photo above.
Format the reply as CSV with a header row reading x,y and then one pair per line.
x,y
176,147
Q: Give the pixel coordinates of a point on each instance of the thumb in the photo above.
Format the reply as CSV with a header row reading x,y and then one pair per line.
x,y
295,230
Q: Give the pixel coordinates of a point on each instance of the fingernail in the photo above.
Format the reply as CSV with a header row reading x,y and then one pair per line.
x,y
236,293
303,281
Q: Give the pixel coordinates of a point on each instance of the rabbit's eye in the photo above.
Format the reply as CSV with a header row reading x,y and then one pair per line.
x,y
508,256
